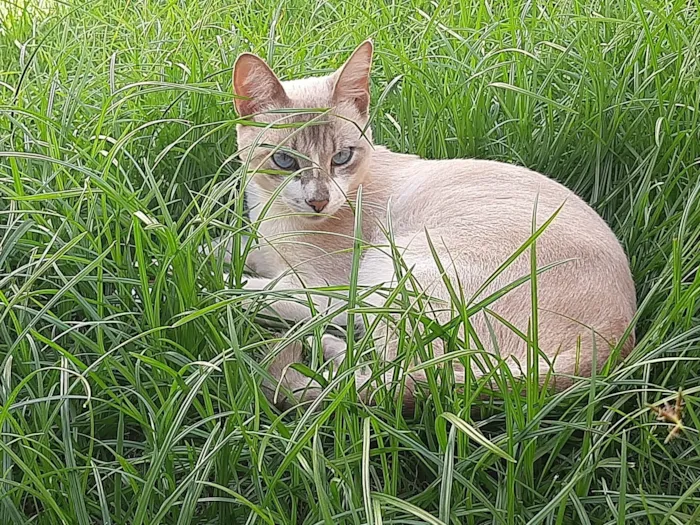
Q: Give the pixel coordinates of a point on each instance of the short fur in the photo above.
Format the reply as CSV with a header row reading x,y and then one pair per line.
x,y
477,213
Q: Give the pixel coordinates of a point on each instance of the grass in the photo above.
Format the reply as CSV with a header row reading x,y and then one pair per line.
x,y
129,377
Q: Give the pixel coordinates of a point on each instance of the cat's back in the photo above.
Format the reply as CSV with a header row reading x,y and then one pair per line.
x,y
440,184
486,199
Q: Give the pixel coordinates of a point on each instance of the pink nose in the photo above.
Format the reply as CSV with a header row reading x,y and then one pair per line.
x,y
317,205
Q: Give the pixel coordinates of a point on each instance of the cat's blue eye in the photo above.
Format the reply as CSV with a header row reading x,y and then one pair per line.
x,y
284,160
342,157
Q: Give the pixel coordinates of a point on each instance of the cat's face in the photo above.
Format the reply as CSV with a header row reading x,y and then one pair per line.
x,y
322,158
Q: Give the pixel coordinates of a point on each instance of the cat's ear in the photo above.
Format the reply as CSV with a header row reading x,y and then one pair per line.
x,y
253,79
352,80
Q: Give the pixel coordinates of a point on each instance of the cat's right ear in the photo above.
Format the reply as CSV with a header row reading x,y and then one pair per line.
x,y
351,81
254,80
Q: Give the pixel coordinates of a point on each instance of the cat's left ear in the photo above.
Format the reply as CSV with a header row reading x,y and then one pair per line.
x,y
352,80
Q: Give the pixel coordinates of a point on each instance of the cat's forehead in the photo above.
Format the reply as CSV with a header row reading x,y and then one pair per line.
x,y
318,133
312,92
323,131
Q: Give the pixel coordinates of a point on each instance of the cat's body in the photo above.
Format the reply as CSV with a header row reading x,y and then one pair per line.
x,y
476,213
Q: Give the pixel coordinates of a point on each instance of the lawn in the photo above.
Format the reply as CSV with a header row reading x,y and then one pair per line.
x,y
130,373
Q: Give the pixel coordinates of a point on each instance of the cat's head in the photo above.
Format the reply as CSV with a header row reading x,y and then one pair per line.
x,y
320,164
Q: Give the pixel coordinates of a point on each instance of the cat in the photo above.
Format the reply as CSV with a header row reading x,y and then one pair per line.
x,y
302,195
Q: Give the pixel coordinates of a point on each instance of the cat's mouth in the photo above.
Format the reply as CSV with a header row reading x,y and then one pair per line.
x,y
314,216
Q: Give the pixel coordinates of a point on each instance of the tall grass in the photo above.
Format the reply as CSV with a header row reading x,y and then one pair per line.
x,y
130,375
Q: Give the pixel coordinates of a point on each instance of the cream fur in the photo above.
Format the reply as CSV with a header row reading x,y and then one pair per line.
x,y
476,212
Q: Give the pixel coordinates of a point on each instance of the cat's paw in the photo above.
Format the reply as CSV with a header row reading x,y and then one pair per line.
x,y
334,349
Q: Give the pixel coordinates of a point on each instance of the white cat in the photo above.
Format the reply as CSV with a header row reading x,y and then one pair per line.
x,y
476,213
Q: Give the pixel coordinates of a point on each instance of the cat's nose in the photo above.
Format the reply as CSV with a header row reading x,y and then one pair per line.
x,y
317,205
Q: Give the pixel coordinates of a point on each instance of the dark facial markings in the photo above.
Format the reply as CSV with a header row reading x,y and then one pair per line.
x,y
337,157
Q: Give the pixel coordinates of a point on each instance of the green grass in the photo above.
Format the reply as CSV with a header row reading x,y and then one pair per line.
x,y
129,394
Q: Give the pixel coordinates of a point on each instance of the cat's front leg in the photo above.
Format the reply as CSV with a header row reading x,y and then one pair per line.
x,y
293,309
335,351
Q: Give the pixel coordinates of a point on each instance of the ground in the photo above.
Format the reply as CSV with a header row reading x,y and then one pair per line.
x,y
130,378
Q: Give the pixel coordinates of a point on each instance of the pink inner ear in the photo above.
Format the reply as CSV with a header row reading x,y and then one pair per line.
x,y
252,78
245,107
352,83
353,86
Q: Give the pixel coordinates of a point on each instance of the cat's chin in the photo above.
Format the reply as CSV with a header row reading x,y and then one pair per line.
x,y
316,217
